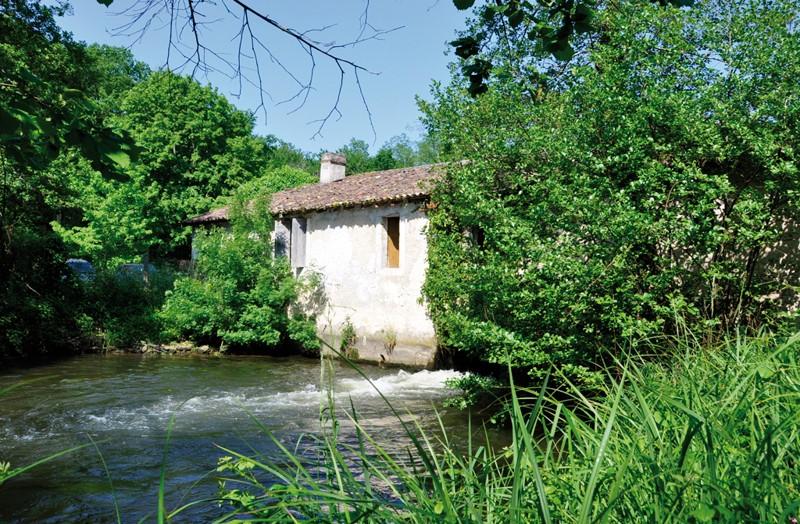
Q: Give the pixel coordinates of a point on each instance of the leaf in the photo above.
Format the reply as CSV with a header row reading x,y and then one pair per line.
x,y
105,2
564,53
515,18
460,4
466,47
704,513
121,158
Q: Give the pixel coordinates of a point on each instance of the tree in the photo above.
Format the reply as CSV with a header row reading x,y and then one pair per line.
x,y
44,111
195,149
240,294
398,151
653,191
537,28
116,72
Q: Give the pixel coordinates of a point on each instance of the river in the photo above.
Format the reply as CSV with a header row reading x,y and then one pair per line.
x,y
124,403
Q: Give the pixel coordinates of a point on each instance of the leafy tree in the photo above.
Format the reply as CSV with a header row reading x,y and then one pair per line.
x,y
116,70
44,76
398,151
195,148
540,28
275,180
283,154
357,154
651,190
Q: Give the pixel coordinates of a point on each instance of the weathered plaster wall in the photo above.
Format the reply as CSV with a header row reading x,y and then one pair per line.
x,y
349,249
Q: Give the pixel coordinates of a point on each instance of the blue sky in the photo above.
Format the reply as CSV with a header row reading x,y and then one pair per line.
x,y
406,59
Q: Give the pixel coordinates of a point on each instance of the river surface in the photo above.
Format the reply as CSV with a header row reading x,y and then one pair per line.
x,y
124,404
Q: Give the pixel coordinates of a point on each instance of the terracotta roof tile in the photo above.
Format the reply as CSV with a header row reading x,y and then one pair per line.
x,y
377,187
217,215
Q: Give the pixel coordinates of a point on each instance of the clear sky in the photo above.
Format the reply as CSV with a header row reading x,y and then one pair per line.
x,y
405,59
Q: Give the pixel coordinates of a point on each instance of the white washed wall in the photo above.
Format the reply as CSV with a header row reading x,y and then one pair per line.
x,y
348,248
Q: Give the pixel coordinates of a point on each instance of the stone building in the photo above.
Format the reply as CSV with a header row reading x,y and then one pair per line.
x,y
363,235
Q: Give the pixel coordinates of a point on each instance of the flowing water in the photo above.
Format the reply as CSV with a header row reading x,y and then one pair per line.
x,y
124,404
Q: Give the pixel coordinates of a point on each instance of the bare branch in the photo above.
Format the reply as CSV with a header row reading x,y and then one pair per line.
x,y
187,20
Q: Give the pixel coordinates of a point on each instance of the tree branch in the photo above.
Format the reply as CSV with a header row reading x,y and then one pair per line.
x,y
186,21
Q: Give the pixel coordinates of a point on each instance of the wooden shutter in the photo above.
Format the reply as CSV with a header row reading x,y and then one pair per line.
x,y
393,242
298,244
283,235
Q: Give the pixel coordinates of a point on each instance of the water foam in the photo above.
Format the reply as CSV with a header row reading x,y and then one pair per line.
x,y
261,401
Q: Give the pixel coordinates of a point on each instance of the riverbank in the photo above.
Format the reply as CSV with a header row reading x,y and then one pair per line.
x,y
708,434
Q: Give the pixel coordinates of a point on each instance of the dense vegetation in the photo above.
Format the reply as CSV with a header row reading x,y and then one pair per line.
x,y
648,183
102,158
706,435
239,294
625,224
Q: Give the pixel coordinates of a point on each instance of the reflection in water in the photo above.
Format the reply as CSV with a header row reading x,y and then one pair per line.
x,y
125,403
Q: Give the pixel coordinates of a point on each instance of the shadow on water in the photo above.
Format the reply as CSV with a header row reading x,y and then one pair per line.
x,y
124,403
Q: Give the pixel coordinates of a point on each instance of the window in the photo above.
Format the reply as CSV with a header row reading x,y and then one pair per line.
x,y
283,237
392,225
298,243
290,240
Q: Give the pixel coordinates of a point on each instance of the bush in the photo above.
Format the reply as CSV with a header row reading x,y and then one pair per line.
x,y
239,295
643,183
122,309
40,304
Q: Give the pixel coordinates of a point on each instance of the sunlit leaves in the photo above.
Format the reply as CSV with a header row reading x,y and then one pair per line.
x,y
557,26
644,192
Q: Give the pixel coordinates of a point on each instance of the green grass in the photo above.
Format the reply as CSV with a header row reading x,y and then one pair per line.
x,y
707,435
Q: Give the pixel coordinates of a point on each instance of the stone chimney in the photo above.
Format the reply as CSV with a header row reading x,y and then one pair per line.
x,y
331,167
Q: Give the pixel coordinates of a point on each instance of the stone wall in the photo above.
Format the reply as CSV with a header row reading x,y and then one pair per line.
x,y
348,249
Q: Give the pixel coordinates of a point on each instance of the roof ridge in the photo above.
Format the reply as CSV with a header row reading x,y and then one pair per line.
x,y
368,188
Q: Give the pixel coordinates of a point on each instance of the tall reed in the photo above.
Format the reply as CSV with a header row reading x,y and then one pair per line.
x,y
707,435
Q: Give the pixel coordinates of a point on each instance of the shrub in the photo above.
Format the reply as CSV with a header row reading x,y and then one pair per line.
x,y
349,338
238,295
40,305
123,310
647,181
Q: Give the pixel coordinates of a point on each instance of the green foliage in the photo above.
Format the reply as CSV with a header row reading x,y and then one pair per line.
x,y
122,310
474,389
45,78
196,147
348,339
708,436
399,151
655,182
550,27
239,294
71,183
274,180
117,72
38,316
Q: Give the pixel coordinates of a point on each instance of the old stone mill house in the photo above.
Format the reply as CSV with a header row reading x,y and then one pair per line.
x,y
363,235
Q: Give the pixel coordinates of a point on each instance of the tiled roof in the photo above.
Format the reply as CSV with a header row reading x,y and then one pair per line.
x,y
377,187
217,215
